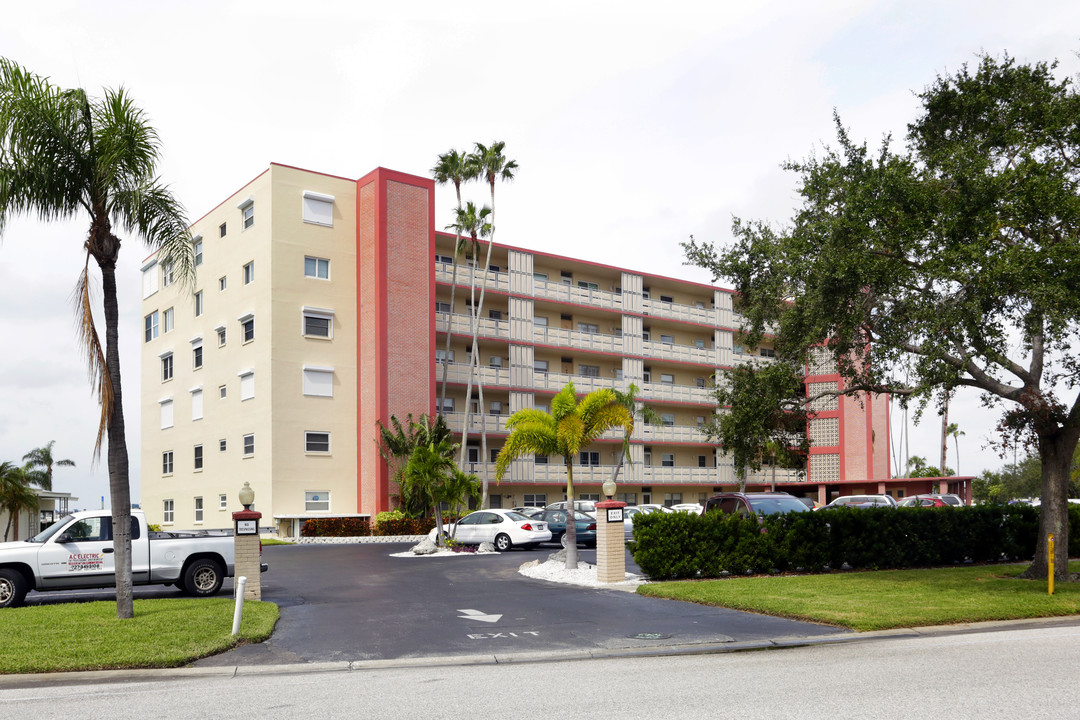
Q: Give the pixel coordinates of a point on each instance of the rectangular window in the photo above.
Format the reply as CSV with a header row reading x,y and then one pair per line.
x,y
318,323
167,462
442,357
473,455
534,500
150,280
249,444
316,267
590,328
589,370
768,352
166,413
317,442
493,454
318,381
667,339
701,460
667,459
496,407
667,299
167,321
247,385
700,420
540,321
589,457
166,367
495,314
221,230
223,502
198,250
222,283
150,324
667,378
700,382
700,344
222,444
198,458
247,329
442,307
444,259
672,499
198,304
221,337
198,510
196,405
167,511
540,459
249,273
196,356
566,277
317,501
540,276
167,273
495,361
447,405
628,498
540,366
223,392
318,209
588,285
668,419
247,213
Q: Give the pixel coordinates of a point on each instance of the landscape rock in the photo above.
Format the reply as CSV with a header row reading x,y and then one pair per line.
x,y
486,547
424,547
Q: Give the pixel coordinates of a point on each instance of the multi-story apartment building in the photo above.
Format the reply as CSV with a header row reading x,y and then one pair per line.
x,y
322,305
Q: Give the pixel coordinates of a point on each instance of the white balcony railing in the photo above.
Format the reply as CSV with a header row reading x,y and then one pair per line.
x,y
565,337
495,423
461,324
459,373
562,292
684,353
556,381
677,311
677,393
672,433
738,358
444,272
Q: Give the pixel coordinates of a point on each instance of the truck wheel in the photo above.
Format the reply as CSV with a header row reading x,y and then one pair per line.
x,y
502,542
12,588
203,577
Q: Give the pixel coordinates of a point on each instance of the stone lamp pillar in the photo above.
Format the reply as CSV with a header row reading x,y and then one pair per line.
x,y
248,556
610,542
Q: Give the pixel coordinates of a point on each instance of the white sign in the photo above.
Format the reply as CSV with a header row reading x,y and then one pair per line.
x,y
614,515
247,527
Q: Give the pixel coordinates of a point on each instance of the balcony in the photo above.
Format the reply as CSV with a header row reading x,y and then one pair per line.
x,y
461,324
677,311
672,433
677,393
652,475
444,272
576,340
738,358
556,381
563,292
495,423
459,373
683,353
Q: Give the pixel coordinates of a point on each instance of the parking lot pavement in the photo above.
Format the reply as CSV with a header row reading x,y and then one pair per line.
x,y
356,602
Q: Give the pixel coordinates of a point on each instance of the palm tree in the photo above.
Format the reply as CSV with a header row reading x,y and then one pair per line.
x,y
629,400
40,461
62,154
475,223
492,165
396,445
955,432
16,496
454,167
569,427
428,473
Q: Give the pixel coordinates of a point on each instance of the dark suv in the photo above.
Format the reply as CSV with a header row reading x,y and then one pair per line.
x,y
763,503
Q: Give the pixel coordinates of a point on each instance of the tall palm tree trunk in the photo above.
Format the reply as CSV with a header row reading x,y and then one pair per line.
x,y
571,522
472,360
450,319
119,489
476,331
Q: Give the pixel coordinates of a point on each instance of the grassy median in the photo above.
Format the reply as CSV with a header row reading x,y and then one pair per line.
x,y
163,633
886,599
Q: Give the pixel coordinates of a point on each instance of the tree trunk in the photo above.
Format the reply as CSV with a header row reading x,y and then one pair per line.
x,y
450,319
472,361
571,523
119,489
1055,452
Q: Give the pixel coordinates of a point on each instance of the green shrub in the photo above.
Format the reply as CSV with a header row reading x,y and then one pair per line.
x,y
336,527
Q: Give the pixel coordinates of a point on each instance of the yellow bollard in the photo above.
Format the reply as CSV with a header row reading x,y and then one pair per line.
x,y
1050,570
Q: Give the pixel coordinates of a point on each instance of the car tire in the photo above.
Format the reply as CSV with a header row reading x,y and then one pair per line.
x,y
563,540
203,577
502,542
13,587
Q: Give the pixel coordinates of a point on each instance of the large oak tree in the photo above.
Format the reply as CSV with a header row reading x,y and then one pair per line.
x,y
951,264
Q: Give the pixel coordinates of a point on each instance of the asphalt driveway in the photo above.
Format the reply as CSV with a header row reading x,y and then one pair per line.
x,y
356,602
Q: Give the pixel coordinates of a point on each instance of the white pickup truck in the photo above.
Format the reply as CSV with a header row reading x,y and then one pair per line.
x,y
77,552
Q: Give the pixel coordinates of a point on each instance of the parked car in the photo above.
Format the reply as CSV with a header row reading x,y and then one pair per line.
x,y
77,552
588,506
924,501
688,507
528,511
584,525
808,502
502,528
629,513
658,508
864,500
763,503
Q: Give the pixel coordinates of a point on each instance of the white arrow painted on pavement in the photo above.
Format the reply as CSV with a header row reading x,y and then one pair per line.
x,y
477,615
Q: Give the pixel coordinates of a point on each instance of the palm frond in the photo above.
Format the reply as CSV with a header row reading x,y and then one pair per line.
x,y
97,369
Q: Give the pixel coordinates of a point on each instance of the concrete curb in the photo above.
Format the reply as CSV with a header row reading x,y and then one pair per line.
x,y
232,671
363,540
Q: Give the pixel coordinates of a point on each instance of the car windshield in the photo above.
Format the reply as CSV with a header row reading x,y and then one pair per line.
x,y
50,531
771,506
515,516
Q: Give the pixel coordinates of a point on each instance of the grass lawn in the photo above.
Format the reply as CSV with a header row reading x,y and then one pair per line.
x,y
267,542
163,633
886,599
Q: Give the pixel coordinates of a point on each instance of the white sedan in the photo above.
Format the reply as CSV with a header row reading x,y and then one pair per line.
x,y
502,528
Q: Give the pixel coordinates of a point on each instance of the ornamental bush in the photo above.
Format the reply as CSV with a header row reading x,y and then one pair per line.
x,y
681,545
336,527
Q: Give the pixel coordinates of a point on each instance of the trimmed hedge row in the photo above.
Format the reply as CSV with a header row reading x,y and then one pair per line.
x,y
683,545
361,527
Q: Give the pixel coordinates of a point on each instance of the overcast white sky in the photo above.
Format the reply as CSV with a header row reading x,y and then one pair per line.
x,y
635,125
